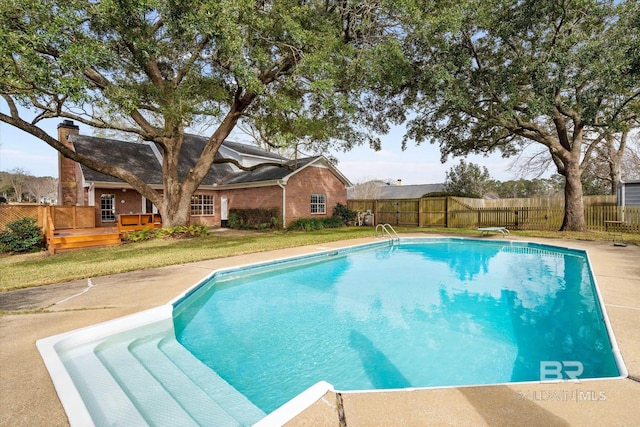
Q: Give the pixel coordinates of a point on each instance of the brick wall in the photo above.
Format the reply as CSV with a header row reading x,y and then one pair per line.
x,y
299,188
252,198
313,180
70,191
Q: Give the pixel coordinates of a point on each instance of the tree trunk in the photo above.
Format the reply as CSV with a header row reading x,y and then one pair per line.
x,y
172,213
615,160
616,177
573,203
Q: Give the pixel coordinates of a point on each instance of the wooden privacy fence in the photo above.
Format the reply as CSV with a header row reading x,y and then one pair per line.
x,y
399,212
11,213
517,214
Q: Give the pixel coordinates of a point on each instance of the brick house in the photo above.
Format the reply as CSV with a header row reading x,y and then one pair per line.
x,y
307,187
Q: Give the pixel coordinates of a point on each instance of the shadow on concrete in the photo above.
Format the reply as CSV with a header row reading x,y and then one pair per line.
x,y
503,406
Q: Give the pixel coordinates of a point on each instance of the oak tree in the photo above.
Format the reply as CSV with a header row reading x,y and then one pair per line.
x,y
157,68
495,74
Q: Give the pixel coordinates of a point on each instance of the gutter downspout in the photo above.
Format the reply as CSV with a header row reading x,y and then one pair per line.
x,y
91,194
284,204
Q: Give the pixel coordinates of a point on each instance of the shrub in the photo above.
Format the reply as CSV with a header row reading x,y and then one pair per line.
x,y
276,223
140,235
311,224
341,211
177,232
22,235
254,219
233,220
180,231
333,222
306,224
198,230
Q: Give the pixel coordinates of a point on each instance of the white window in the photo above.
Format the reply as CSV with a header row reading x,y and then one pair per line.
x,y
108,208
318,204
202,205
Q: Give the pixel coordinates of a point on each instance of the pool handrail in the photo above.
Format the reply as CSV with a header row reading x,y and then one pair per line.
x,y
384,228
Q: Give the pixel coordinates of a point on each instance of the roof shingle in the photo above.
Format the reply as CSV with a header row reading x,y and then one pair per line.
x,y
140,159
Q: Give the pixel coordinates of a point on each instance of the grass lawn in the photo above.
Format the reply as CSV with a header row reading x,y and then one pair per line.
x,y
37,269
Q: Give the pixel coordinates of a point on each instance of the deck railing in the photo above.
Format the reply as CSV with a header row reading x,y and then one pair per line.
x,y
139,221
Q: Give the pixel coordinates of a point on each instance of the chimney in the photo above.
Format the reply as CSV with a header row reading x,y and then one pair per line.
x,y
69,178
399,182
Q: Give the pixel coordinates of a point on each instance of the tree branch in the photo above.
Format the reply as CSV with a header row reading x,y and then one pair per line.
x,y
590,148
254,167
182,72
12,106
105,168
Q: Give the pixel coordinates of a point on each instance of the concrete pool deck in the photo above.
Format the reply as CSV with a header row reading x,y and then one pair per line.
x,y
28,398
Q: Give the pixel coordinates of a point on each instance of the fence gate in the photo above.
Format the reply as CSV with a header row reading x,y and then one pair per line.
x,y
433,212
398,212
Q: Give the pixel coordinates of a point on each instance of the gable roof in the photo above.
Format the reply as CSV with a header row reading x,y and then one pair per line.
x,y
144,160
385,191
138,158
190,152
408,191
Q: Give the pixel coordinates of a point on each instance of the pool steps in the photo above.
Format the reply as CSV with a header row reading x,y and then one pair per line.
x,y
102,394
125,378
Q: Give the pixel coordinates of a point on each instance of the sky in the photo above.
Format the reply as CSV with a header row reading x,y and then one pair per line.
x,y
416,165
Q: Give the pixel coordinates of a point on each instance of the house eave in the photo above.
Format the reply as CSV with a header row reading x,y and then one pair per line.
x,y
120,185
255,184
116,185
328,165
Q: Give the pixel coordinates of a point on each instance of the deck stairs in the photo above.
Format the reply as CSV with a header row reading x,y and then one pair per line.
x,y
62,239
154,380
68,240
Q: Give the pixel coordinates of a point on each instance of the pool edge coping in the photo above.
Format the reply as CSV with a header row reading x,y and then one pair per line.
x,y
78,414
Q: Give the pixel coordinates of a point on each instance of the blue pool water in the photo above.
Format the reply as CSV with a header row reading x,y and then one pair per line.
x,y
423,313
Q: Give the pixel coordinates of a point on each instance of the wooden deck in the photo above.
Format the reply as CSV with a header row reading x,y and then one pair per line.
x,y
68,239
68,228
139,221
81,238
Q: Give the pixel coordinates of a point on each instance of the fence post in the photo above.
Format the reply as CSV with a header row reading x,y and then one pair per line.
x,y
375,212
446,212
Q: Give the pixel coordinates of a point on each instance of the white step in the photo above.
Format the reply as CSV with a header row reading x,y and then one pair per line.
x,y
159,407
233,402
189,395
102,395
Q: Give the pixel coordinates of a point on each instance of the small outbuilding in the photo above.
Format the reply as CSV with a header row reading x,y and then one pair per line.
x,y
629,194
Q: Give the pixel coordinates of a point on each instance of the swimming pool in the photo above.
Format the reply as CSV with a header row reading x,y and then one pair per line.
x,y
423,313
